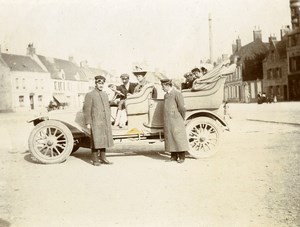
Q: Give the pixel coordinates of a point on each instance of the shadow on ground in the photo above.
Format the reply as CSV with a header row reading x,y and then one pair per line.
x,y
4,223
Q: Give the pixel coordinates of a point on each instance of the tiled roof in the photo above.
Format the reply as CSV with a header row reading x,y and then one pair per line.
x,y
21,63
281,47
55,66
251,50
90,73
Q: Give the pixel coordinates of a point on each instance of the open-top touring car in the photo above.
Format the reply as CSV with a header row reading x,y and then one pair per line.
x,y
61,132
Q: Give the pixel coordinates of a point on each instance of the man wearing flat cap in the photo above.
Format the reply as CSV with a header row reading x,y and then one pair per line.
x,y
125,89
174,127
97,116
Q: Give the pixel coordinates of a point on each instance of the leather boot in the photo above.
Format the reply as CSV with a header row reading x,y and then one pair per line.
x,y
181,157
95,159
103,157
174,157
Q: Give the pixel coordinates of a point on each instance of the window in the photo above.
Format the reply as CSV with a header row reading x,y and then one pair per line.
x,y
293,11
23,83
40,98
270,74
55,86
278,72
294,64
42,83
274,73
293,40
278,91
17,83
36,84
21,100
273,55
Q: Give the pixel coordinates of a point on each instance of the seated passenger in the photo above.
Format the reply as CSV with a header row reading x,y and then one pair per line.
x,y
140,76
197,72
203,70
125,89
189,79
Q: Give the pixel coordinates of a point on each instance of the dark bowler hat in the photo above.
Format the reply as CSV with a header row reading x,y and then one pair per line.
x,y
100,79
166,81
195,70
142,73
124,76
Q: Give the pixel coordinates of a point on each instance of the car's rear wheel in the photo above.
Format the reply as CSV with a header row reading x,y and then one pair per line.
x,y
204,135
51,142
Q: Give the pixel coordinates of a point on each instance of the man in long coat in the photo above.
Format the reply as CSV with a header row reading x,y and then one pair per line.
x,y
97,116
174,126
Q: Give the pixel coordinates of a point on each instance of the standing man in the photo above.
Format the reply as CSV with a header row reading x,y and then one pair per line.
x,y
96,112
174,127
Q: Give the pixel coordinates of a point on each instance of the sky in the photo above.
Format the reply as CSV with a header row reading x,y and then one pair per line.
x,y
170,36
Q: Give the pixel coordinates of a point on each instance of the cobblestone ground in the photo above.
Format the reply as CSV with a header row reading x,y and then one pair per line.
x,y
254,180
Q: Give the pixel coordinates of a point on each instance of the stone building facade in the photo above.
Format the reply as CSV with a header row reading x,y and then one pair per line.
x,y
246,82
275,69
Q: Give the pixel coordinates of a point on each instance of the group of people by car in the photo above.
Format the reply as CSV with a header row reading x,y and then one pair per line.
x,y
97,115
124,90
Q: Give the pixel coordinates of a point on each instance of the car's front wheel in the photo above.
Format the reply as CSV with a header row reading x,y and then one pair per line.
x,y
51,142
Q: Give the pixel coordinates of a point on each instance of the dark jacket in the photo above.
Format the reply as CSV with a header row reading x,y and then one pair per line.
x,y
187,85
124,91
96,112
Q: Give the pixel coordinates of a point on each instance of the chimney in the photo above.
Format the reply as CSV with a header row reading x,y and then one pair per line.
x,y
30,49
284,31
256,34
238,44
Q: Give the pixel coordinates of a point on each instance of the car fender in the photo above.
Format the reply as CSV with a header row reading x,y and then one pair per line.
x,y
74,121
206,113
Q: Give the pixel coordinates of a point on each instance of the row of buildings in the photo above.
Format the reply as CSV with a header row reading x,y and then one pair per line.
x,y
31,81
272,67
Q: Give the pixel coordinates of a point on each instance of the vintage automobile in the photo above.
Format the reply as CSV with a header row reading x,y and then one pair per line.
x,y
61,132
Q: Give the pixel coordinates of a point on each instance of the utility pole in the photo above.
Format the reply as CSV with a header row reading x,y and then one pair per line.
x,y
210,39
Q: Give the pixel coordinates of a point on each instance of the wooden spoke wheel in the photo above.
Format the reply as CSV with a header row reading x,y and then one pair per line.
x,y
204,135
51,142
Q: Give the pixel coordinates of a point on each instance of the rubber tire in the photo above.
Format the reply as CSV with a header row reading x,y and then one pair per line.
x,y
209,148
75,148
65,153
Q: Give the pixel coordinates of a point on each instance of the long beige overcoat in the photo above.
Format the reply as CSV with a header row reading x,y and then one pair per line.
x,y
96,112
174,127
